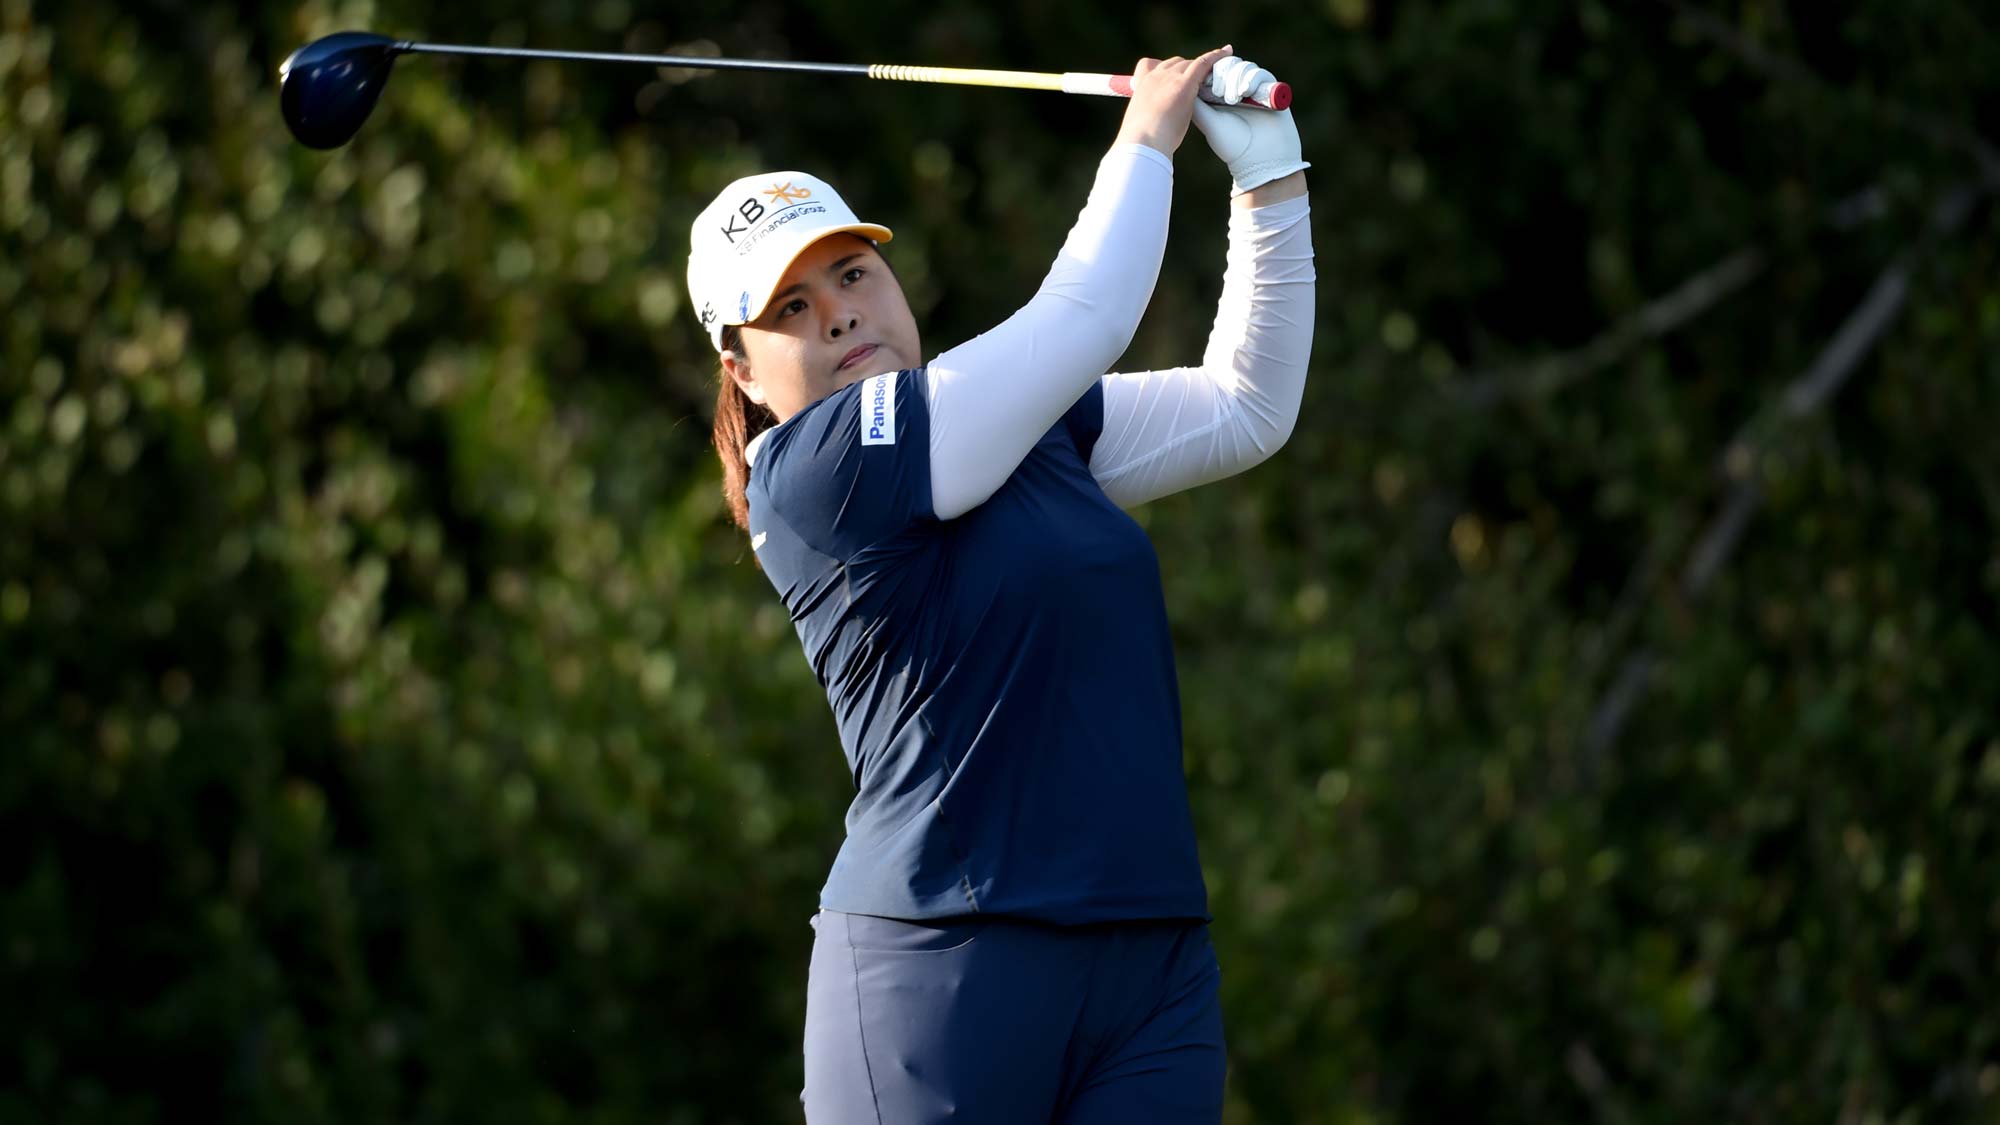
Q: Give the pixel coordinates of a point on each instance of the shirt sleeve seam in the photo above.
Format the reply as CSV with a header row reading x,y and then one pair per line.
x,y
1111,476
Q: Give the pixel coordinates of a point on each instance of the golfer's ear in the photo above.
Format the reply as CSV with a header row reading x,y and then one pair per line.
x,y
738,371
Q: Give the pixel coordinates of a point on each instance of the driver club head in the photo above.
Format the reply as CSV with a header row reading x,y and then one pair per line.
x,y
328,87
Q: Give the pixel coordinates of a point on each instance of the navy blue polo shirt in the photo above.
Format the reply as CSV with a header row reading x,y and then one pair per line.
x,y
1003,682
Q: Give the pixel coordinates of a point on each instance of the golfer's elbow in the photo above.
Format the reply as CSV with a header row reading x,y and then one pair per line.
x,y
1263,440
1278,436
1264,423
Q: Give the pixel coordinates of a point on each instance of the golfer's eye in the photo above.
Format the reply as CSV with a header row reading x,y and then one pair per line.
x,y
791,306
853,275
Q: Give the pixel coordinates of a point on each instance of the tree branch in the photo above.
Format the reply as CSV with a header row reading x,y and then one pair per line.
x,y
1651,321
1823,378
1655,319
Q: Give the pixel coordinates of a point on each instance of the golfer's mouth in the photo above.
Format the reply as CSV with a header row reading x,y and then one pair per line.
x,y
856,356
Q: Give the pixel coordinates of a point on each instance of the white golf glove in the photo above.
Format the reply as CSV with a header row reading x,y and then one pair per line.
x,y
1259,145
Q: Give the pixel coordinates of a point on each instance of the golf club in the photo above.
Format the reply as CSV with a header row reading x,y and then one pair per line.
x,y
328,87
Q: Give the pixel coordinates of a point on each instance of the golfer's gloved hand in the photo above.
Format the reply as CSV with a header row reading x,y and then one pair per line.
x,y
1259,145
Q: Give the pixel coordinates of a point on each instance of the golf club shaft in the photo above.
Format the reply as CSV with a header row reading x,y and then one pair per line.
x,y
1275,95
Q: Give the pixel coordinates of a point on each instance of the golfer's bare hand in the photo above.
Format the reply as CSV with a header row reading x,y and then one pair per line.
x,y
1163,92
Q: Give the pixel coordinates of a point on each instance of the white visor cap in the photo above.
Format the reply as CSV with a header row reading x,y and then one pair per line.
x,y
743,242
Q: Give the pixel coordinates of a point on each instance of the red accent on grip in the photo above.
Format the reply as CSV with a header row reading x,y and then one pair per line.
x,y
1121,84
1281,95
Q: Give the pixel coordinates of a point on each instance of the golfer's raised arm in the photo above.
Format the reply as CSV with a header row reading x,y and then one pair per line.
x,y
993,397
1165,431
1169,430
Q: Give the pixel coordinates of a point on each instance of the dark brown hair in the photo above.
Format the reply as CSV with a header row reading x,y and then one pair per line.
x,y
737,420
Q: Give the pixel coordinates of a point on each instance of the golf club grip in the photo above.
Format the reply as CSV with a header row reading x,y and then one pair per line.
x,y
1271,95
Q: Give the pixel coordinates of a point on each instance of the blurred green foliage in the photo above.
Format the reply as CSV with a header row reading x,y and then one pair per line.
x,y
394,729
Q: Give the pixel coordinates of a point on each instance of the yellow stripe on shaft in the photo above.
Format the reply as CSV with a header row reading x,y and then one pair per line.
x,y
956,76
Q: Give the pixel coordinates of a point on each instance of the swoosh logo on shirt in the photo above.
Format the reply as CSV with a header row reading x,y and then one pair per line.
x,y
759,540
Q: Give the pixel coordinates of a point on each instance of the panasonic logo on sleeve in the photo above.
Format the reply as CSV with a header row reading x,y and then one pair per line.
x,y
878,410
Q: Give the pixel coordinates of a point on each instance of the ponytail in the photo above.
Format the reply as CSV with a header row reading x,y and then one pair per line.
x,y
737,420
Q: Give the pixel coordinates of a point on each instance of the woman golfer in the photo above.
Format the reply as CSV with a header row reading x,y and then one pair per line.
x,y
1015,928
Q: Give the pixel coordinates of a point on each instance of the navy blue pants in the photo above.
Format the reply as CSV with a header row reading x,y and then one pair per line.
x,y
981,1020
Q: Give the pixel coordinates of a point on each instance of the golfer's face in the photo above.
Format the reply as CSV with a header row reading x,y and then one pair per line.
x,y
837,317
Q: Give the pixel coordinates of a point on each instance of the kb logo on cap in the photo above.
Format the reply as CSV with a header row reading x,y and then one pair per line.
x,y
782,195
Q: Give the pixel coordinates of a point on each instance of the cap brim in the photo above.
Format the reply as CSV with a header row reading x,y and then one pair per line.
x,y
761,294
